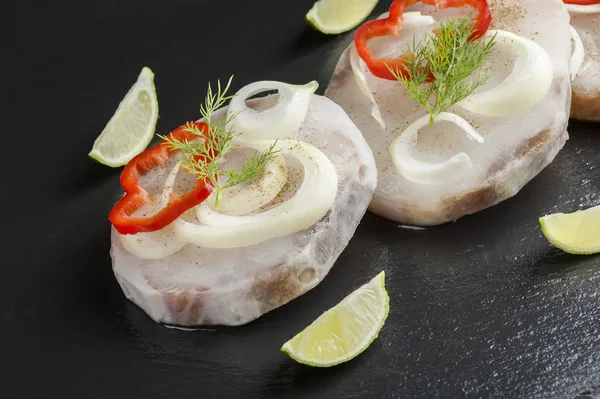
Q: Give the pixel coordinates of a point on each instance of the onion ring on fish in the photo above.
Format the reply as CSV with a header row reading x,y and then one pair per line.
x,y
526,85
248,197
359,68
277,122
578,52
160,243
425,172
307,206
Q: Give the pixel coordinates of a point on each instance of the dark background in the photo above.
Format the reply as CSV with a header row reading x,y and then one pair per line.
x,y
483,307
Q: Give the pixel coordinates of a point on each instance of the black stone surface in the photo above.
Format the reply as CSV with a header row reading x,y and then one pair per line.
x,y
480,308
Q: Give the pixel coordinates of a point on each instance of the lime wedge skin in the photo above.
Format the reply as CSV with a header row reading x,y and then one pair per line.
x,y
575,233
333,17
132,127
344,331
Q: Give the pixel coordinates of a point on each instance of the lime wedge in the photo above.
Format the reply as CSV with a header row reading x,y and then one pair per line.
x,y
131,128
344,331
575,233
338,16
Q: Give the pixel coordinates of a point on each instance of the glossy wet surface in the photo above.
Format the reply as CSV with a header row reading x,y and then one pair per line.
x,y
483,307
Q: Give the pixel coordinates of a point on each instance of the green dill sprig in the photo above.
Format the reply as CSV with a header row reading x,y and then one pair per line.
x,y
440,64
203,157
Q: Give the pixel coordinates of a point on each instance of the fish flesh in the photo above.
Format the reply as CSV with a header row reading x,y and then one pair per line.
x,y
516,147
201,286
586,85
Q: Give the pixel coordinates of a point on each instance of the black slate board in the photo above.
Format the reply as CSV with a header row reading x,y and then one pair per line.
x,y
482,307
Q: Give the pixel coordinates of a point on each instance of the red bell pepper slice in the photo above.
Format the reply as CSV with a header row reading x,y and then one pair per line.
x,y
135,196
582,2
393,24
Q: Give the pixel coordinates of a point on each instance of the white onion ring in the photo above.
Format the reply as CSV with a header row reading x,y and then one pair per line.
x,y
161,243
154,244
165,242
361,81
412,18
248,198
278,122
579,9
309,204
169,186
526,85
409,20
578,53
425,172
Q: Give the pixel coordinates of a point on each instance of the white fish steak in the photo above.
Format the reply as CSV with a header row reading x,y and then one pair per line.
x,y
516,146
586,81
196,285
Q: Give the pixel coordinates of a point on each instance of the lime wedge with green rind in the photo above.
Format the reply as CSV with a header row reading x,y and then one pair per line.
x,y
575,233
344,331
339,16
131,128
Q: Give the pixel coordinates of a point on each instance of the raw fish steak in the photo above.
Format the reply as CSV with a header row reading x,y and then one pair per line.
x,y
586,85
516,148
199,286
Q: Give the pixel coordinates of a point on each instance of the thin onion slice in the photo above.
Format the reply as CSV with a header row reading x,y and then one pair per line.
x,y
361,80
278,122
307,206
161,243
578,52
169,186
425,172
245,198
412,19
154,244
579,9
526,85
409,20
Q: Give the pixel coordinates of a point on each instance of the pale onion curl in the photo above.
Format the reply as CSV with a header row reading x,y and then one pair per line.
x,y
307,206
526,85
421,172
578,53
277,122
248,197
161,243
410,20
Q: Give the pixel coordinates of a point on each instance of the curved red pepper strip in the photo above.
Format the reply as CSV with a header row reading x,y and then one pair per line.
x,y
135,196
392,25
582,2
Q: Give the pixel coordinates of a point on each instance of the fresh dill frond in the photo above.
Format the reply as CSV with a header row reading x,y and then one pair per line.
x,y
203,157
440,64
249,170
